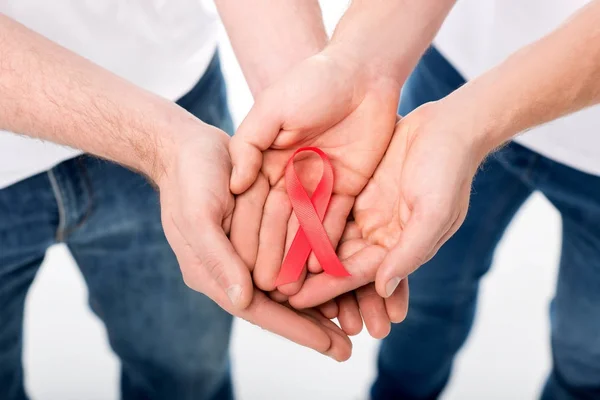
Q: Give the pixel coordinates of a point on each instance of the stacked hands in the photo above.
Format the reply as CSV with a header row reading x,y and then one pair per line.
x,y
401,189
401,184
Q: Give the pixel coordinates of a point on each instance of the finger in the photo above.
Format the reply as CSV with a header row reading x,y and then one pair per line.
x,y
292,230
306,329
351,232
224,265
415,245
276,214
341,345
254,135
349,314
397,304
373,311
317,334
293,287
329,309
322,287
334,223
277,296
219,264
453,229
247,216
290,289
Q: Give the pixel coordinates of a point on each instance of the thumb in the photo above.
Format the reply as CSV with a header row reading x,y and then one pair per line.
x,y
256,133
414,248
222,264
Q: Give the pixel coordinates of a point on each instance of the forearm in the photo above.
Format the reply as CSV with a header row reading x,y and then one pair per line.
x,y
555,76
387,37
271,36
51,93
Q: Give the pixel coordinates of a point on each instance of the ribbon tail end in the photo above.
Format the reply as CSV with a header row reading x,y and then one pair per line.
x,y
288,275
284,280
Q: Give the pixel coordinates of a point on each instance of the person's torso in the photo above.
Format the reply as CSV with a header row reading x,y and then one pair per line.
x,y
163,46
479,34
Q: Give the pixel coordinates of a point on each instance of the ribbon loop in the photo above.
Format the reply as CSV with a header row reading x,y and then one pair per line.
x,y
310,212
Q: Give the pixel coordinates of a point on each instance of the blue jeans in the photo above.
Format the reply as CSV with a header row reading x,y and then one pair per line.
x,y
172,342
415,360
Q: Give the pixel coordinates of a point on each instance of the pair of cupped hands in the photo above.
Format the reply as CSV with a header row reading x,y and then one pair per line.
x,y
401,190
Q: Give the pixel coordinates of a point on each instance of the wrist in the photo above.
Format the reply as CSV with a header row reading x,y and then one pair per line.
x,y
372,75
263,73
452,119
288,32
189,134
479,116
388,37
172,128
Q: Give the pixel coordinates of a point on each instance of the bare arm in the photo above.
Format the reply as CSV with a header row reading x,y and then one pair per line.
x,y
271,36
555,76
344,100
50,93
373,49
419,194
388,37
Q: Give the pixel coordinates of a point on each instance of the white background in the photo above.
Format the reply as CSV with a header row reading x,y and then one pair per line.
x,y
507,356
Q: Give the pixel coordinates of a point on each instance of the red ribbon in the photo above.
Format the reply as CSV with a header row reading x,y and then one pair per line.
x,y
310,212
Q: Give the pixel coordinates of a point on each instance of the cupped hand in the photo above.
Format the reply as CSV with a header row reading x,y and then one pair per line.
x,y
363,303
197,209
417,198
326,102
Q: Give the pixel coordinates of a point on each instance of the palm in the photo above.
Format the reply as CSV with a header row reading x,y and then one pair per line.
x,y
196,214
355,146
417,197
425,179
335,111
377,227
378,210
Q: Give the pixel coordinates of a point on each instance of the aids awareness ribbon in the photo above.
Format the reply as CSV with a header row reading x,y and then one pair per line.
x,y
310,212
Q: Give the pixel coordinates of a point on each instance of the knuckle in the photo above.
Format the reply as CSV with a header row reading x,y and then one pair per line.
x,y
363,294
417,258
214,267
190,281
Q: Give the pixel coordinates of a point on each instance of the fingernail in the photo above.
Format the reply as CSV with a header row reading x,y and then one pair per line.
x,y
392,285
234,293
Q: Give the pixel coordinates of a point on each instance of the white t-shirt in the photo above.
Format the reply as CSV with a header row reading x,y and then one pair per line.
x,y
163,46
479,34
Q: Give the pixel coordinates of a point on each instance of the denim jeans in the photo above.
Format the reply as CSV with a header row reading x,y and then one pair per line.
x,y
172,342
415,360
